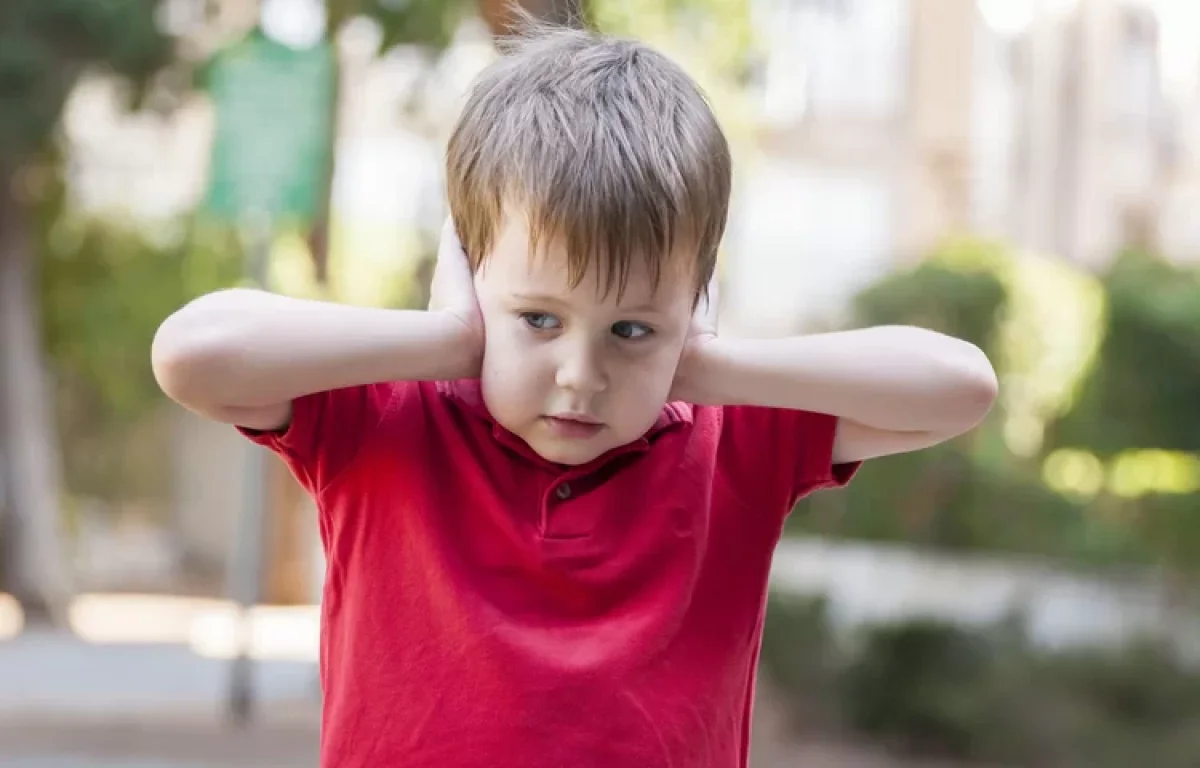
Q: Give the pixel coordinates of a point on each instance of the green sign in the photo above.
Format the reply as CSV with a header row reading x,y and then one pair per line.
x,y
274,117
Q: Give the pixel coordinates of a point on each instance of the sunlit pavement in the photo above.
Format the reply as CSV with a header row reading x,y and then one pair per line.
x,y
58,675
11,620
68,762
196,745
129,653
142,681
210,628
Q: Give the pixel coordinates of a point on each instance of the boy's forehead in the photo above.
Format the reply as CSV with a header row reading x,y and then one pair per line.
x,y
518,269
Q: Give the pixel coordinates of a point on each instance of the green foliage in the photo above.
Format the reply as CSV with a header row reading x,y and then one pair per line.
x,y
722,28
1169,526
46,44
964,303
988,695
943,499
1146,391
425,22
800,653
1140,684
1103,365
919,682
104,288
713,40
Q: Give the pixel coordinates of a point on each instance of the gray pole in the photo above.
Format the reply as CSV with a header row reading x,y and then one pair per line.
x,y
246,573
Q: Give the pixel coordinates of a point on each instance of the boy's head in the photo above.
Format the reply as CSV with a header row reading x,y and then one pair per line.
x,y
589,182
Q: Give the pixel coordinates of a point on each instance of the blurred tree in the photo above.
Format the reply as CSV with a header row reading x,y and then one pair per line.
x,y
426,22
1140,411
1144,393
429,23
106,286
1040,323
964,302
920,497
46,46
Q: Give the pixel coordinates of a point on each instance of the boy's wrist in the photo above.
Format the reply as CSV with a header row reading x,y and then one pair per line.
x,y
463,345
701,372
426,345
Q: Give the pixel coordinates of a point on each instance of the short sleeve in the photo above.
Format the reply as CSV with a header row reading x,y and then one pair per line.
x,y
326,432
790,449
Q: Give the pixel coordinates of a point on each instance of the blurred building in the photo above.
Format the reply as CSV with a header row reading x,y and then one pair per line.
x,y
1067,126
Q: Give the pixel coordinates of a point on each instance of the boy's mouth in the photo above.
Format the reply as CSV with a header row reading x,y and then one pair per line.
x,y
573,425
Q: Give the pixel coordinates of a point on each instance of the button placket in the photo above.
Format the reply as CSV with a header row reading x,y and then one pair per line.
x,y
558,514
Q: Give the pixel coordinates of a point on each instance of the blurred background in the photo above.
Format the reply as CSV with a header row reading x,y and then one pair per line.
x,y
1021,173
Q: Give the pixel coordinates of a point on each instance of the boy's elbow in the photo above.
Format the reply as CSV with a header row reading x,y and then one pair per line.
x,y
976,387
192,349
182,362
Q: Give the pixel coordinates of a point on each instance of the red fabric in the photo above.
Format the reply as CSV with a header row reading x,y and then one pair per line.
x,y
475,615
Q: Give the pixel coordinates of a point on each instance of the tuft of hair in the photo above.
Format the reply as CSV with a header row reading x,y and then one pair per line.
x,y
602,142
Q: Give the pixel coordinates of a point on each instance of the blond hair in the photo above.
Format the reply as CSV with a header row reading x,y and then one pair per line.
x,y
600,141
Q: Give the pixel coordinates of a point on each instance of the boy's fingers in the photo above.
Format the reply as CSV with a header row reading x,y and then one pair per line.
x,y
449,245
707,310
453,285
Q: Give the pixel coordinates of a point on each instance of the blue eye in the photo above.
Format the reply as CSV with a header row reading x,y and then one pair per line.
x,y
630,330
540,321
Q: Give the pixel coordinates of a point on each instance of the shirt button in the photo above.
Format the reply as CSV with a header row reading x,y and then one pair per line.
x,y
563,492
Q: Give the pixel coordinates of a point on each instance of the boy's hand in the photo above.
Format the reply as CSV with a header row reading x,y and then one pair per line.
x,y
689,376
453,287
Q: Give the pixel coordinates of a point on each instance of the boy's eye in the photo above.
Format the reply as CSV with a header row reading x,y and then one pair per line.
x,y
540,321
629,330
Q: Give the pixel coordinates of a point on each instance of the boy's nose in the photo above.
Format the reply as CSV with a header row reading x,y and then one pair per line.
x,y
580,371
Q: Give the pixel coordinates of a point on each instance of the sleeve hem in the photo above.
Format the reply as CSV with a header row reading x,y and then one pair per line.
x,y
828,475
287,442
281,438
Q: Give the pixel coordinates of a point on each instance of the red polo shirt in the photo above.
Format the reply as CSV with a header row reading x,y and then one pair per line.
x,y
484,607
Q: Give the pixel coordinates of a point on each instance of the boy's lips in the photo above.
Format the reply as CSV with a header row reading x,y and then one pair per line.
x,y
573,425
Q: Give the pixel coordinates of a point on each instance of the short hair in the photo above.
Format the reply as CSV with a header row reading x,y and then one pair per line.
x,y
603,142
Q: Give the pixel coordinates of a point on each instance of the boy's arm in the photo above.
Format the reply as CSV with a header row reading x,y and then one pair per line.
x,y
893,389
243,356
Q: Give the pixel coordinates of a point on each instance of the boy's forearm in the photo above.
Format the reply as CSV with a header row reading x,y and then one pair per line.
x,y
249,349
891,378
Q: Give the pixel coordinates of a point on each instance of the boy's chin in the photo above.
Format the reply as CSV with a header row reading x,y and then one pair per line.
x,y
572,452
567,453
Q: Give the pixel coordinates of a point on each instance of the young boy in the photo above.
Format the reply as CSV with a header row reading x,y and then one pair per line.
x,y
549,504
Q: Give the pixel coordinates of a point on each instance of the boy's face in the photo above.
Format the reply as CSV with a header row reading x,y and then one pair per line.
x,y
573,371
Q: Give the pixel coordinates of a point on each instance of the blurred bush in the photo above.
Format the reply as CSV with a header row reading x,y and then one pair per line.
x,y
800,653
923,684
105,287
933,689
1092,454
1145,393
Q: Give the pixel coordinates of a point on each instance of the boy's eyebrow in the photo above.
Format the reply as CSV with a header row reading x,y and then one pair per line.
x,y
543,298
538,298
